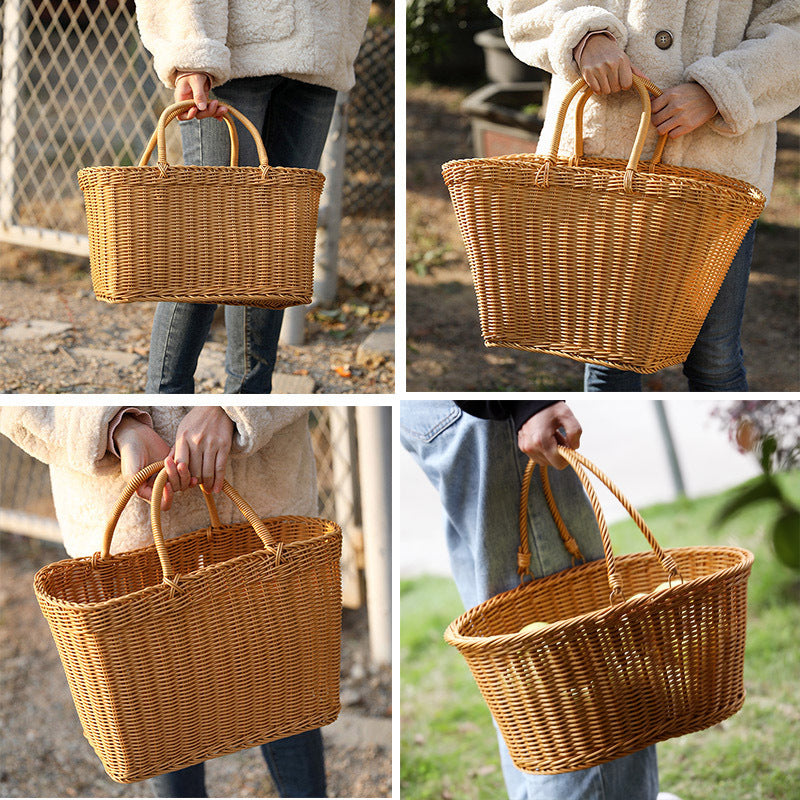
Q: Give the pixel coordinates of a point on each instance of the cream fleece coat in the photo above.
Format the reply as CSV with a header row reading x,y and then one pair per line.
x,y
315,41
271,465
745,54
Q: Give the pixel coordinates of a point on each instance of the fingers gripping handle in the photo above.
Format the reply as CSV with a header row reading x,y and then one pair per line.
x,y
155,514
170,112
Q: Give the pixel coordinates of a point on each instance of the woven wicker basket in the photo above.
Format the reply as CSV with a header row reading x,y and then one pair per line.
x,y
595,259
217,640
233,235
609,675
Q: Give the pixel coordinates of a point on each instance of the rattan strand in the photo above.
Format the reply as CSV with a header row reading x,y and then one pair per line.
x,y
594,259
240,646
232,235
604,680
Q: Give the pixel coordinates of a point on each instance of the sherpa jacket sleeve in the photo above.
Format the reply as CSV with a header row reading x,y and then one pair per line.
x,y
186,35
544,33
518,410
63,436
758,81
257,426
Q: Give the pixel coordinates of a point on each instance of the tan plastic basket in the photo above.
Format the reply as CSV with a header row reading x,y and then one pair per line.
x,y
596,259
217,640
610,674
232,235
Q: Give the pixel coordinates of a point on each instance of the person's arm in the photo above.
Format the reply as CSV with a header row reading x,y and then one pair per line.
x,y
186,36
759,80
544,33
541,425
63,436
518,410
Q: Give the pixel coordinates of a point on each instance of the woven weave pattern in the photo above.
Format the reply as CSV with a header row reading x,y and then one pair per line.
x,y
232,235
597,260
239,646
609,675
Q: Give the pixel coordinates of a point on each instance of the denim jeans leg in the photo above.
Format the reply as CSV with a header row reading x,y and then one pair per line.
x,y
294,118
187,782
477,468
716,361
179,333
297,764
597,378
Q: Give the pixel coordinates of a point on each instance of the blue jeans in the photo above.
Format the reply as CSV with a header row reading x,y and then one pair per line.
x,y
715,363
296,764
477,469
293,118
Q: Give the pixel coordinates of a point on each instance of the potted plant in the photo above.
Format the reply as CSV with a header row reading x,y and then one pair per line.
x,y
506,117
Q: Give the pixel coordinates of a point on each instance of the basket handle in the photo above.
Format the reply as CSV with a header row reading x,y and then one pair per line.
x,y
643,87
578,461
172,111
155,514
153,141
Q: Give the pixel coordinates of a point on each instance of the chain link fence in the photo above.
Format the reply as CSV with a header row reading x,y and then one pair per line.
x,y
26,503
366,250
78,89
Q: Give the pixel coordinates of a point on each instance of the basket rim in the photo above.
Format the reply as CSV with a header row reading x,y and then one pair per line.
x,y
454,637
225,168
603,165
330,530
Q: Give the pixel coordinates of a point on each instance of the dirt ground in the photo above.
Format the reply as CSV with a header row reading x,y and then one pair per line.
x,y
42,749
445,351
101,348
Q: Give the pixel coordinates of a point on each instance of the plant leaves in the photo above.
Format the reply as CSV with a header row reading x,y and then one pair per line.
x,y
763,489
786,538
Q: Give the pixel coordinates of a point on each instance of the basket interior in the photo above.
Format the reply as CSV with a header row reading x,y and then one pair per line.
x,y
584,589
78,581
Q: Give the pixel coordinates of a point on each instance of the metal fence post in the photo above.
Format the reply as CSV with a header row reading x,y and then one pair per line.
x,y
375,472
332,165
329,227
9,96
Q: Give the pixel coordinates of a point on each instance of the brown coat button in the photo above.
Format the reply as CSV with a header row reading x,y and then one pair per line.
x,y
663,40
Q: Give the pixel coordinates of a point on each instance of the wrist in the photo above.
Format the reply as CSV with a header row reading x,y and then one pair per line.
x,y
577,51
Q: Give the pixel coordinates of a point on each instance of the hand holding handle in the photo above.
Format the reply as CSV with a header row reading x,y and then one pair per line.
x,y
155,514
172,111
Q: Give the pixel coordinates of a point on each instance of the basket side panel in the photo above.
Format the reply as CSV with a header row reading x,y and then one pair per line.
x,y
145,244
582,268
242,655
612,680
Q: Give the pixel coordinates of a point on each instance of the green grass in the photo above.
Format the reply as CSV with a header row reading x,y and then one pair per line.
x,y
447,739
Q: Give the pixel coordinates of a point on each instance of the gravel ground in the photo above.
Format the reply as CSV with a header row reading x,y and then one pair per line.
x,y
92,347
43,752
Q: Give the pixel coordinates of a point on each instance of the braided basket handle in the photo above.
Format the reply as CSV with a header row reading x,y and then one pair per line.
x,y
643,87
172,111
578,461
155,514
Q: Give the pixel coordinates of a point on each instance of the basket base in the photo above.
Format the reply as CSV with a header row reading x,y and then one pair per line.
x,y
648,369
234,747
275,302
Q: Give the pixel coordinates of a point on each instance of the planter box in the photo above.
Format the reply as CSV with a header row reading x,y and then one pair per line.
x,y
506,118
502,66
